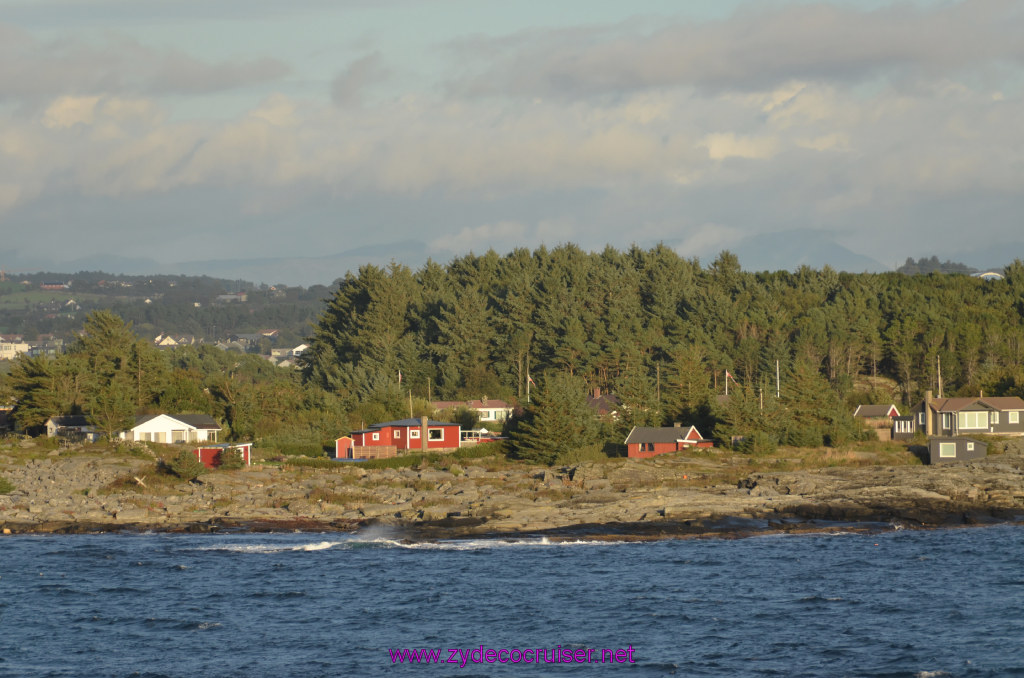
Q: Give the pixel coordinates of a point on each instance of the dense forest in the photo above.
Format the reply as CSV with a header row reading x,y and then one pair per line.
x,y
661,332
545,329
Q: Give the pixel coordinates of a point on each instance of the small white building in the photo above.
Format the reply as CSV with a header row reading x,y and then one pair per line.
x,y
173,428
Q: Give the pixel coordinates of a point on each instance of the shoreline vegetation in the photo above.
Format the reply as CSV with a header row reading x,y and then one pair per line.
x,y
717,493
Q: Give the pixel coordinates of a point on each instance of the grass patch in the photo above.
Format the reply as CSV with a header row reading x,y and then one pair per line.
x,y
440,460
6,486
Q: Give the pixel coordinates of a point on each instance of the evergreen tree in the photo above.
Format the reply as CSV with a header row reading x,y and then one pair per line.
x,y
557,422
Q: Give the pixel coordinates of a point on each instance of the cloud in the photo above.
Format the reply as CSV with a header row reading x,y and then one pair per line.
x,y
35,71
349,86
729,145
752,50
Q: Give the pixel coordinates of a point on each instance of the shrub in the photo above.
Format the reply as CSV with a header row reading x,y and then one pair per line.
x,y
230,459
186,466
758,443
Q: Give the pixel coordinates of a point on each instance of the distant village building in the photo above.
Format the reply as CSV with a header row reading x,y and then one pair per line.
x,y
11,350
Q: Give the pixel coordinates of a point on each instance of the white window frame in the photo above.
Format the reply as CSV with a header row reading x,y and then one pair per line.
x,y
970,447
1014,417
944,449
947,420
435,433
993,418
972,420
376,436
397,433
414,433
920,418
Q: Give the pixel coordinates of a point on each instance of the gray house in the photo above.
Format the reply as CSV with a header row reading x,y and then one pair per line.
x,y
946,449
969,416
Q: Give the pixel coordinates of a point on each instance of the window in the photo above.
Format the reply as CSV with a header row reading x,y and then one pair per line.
x,y
920,418
994,417
973,420
1014,417
947,420
376,436
970,447
414,433
947,450
178,436
397,433
435,434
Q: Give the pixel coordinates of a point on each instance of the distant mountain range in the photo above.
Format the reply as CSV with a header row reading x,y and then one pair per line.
x,y
787,250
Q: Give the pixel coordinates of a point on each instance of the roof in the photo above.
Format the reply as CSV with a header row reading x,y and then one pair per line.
x,y
604,404
472,404
403,423
199,421
660,434
869,411
70,420
997,403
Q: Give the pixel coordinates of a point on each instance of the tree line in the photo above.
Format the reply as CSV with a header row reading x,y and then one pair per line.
x,y
665,334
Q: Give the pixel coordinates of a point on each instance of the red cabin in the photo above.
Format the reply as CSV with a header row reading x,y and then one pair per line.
x,y
409,434
650,441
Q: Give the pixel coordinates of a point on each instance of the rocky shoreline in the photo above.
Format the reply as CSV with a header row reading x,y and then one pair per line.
x,y
83,490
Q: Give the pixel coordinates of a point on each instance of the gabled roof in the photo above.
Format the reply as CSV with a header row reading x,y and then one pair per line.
x,y
661,434
197,421
957,404
870,411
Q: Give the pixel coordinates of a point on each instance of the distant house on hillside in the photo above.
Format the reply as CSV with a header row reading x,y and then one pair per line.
x,y
488,409
605,406
650,441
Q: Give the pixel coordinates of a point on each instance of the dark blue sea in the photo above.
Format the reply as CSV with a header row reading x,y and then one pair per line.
x,y
901,604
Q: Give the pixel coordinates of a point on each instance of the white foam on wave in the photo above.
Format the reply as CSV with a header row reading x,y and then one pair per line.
x,y
386,539
480,544
272,548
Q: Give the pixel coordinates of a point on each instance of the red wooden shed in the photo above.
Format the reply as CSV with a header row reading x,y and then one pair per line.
x,y
649,441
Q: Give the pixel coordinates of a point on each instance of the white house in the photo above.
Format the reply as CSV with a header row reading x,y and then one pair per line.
x,y
489,410
173,428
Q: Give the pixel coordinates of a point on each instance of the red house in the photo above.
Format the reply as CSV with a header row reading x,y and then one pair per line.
x,y
649,441
210,454
409,435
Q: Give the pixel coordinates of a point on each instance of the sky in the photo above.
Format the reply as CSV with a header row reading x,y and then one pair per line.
x,y
185,130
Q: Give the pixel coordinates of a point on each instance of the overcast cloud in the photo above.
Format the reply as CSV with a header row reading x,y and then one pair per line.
x,y
896,130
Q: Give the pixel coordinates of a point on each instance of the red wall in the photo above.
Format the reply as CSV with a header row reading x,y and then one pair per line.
x,y
209,455
633,449
404,442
